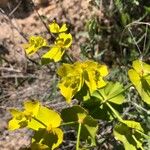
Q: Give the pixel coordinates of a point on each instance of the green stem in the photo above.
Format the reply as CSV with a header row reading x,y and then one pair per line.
x,y
78,136
39,122
144,135
70,59
115,112
68,123
139,145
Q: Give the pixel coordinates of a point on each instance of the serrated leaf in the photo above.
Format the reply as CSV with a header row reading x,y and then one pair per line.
x,y
89,125
140,78
47,140
112,92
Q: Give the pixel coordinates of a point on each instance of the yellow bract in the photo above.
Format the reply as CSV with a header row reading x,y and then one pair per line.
x,y
74,76
35,43
56,52
140,77
43,120
64,40
21,118
50,118
55,28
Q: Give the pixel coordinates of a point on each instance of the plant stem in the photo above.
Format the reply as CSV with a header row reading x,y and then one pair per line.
x,y
70,59
144,135
78,136
115,112
68,123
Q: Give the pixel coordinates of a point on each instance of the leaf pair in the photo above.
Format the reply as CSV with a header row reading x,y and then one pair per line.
x,y
74,76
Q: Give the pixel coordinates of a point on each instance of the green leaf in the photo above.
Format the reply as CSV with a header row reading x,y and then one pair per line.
x,y
133,124
45,140
124,134
76,114
89,125
89,129
140,78
112,92
128,133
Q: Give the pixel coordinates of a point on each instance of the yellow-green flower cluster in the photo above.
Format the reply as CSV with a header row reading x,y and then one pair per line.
x,y
57,50
74,76
41,119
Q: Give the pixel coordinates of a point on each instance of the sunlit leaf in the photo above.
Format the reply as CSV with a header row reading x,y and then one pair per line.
x,y
112,92
123,134
89,129
16,123
140,77
69,87
133,124
62,42
126,133
35,43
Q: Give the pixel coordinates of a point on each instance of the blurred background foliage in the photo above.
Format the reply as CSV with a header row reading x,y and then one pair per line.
x,y
118,36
